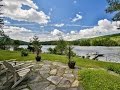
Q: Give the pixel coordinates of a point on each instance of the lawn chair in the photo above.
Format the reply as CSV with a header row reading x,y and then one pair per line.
x,y
13,63
18,75
2,69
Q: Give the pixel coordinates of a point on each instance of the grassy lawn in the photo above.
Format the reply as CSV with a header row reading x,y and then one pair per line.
x,y
91,79
99,80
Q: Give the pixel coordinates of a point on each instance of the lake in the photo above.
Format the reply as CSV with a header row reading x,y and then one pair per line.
x,y
111,54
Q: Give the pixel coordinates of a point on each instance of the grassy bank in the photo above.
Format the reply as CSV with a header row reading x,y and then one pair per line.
x,y
91,79
6,55
99,80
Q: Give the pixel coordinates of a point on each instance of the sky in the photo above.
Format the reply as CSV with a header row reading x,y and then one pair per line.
x,y
50,20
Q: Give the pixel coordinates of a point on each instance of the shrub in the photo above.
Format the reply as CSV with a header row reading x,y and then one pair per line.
x,y
52,50
20,49
24,52
115,69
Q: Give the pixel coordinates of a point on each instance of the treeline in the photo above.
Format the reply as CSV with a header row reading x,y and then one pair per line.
x,y
88,42
49,43
96,42
6,42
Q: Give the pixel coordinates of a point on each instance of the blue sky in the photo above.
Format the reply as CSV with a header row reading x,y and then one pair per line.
x,y
64,16
63,11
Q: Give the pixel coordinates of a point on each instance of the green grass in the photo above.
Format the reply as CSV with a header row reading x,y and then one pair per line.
x,y
91,79
99,80
115,69
6,55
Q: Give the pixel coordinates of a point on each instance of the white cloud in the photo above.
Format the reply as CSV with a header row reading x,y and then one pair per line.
x,y
6,22
105,24
73,32
105,27
56,32
18,33
59,25
77,18
13,10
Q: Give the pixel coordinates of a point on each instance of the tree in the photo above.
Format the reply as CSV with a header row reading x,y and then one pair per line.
x,y
69,52
36,44
52,50
16,44
61,46
114,6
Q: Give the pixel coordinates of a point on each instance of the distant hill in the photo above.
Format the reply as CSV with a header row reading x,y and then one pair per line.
x,y
114,37
110,36
107,40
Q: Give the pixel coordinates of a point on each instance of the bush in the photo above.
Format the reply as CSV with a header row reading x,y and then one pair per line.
x,y
24,52
115,69
20,49
52,50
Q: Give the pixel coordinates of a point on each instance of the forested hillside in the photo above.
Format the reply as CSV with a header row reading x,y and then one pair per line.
x,y
108,40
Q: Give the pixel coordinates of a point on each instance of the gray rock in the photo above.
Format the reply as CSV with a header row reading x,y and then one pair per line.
x,y
25,89
75,83
54,79
45,70
60,71
60,65
47,62
53,72
20,87
56,63
34,79
73,89
45,76
75,72
70,77
45,67
39,86
51,87
64,83
53,67
68,71
61,88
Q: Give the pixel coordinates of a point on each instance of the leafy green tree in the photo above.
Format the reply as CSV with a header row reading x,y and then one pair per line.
x,y
52,50
61,46
5,42
16,44
103,42
84,42
114,6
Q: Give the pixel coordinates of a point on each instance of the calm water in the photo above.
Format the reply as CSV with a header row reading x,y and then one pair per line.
x,y
111,54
